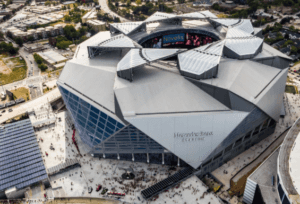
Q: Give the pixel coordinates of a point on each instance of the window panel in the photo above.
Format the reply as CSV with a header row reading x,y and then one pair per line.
x,y
95,110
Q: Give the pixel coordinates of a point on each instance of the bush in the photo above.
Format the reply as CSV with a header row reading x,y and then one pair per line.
x,y
38,59
42,67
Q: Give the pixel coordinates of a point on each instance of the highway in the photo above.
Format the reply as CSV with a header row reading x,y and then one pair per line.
x,y
105,8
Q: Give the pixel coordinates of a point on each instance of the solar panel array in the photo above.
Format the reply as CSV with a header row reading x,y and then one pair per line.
x,y
21,164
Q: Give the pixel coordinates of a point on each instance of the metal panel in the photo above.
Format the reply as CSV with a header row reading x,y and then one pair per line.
x,y
91,81
126,27
157,91
191,137
243,77
245,25
159,16
273,92
201,60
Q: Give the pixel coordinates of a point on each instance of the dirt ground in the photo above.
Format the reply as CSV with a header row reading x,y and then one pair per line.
x,y
4,69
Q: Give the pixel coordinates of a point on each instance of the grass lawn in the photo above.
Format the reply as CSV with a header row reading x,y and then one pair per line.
x,y
17,73
222,15
21,93
291,89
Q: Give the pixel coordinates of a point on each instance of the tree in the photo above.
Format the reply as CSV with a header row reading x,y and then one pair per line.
x,y
138,2
128,3
19,41
294,49
38,59
216,6
67,18
169,10
31,38
42,67
47,3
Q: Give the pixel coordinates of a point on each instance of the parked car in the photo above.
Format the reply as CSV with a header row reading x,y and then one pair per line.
x,y
104,191
98,188
10,110
90,189
3,111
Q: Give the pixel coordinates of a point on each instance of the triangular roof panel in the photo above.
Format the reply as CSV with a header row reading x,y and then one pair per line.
x,y
191,137
157,16
137,57
119,41
126,27
245,25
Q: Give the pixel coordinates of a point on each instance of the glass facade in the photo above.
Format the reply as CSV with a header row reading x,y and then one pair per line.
x,y
129,140
94,126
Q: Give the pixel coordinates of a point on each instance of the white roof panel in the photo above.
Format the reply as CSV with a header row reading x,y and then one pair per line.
x,y
137,57
193,15
202,59
237,33
244,46
226,21
130,60
126,27
208,14
154,54
159,16
245,78
245,25
119,41
193,136
158,91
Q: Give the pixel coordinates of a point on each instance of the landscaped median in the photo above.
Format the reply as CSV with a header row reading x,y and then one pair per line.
x,y
291,89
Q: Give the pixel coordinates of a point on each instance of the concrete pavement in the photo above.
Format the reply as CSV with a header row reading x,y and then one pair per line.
x,y
105,8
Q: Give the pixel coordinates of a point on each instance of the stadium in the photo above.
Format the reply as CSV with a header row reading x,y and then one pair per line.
x,y
189,90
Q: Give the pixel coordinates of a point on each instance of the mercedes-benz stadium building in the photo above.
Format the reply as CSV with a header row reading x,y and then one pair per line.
x,y
189,90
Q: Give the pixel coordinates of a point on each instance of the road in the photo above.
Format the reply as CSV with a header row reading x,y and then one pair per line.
x,y
31,64
105,8
28,106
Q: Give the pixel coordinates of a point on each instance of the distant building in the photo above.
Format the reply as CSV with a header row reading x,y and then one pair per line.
x,y
52,57
91,15
15,6
33,47
97,25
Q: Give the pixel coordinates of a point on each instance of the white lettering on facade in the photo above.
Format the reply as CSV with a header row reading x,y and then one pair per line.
x,y
193,136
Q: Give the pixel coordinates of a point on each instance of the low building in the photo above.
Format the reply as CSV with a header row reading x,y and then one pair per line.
x,y
33,47
15,6
5,12
91,15
21,161
97,25
52,57
19,2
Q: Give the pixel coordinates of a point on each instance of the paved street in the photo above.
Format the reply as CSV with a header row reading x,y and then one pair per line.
x,y
104,7
31,64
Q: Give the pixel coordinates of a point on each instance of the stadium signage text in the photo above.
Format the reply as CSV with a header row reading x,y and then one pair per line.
x,y
193,136
174,38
